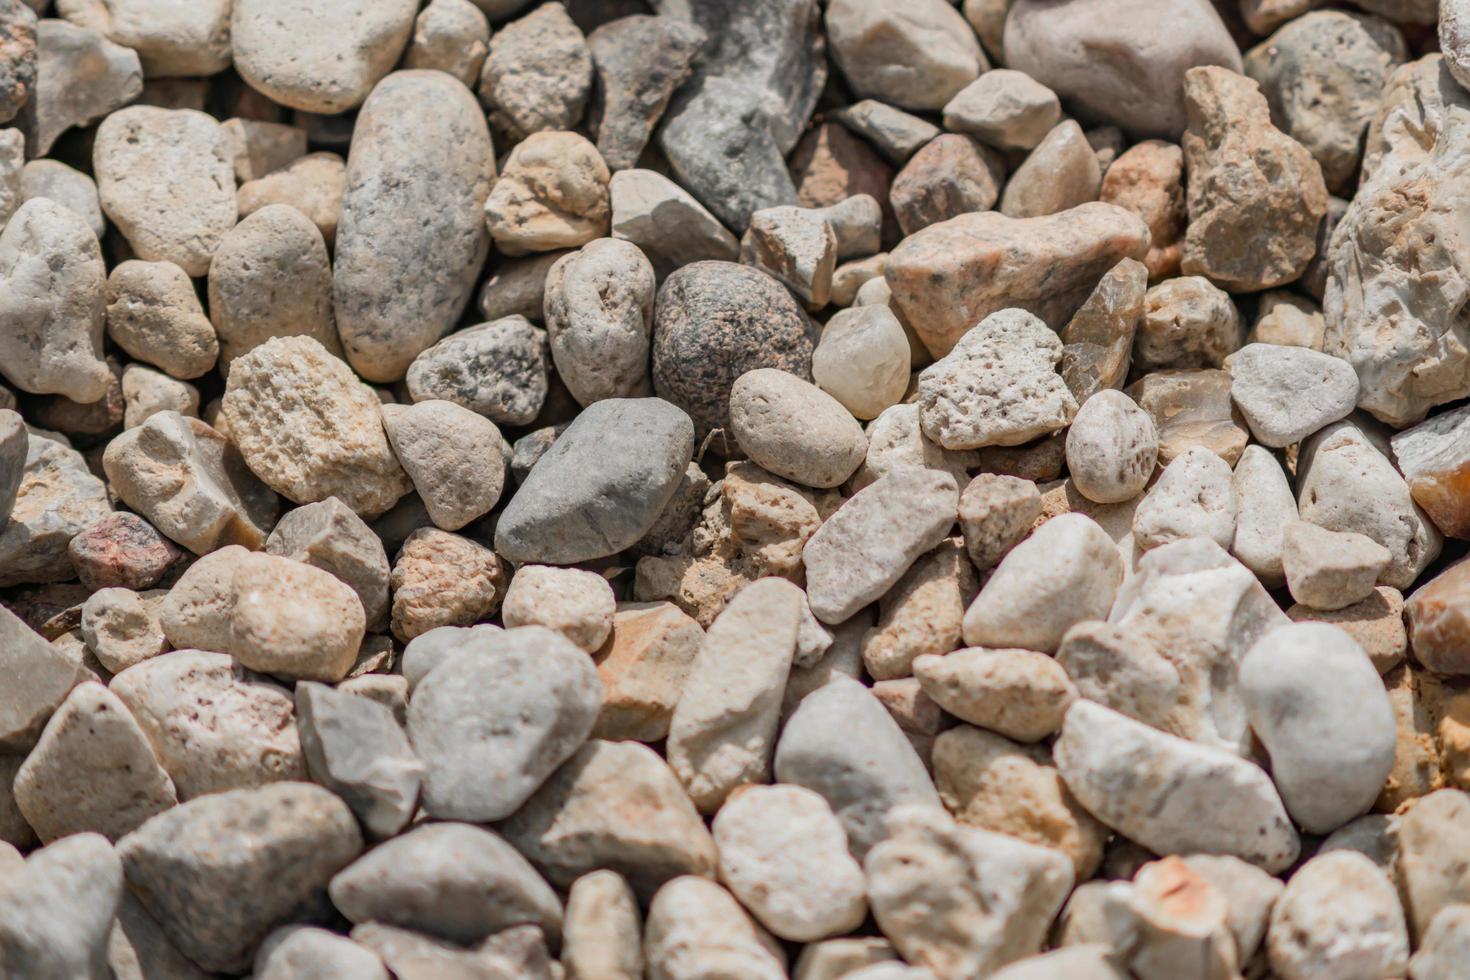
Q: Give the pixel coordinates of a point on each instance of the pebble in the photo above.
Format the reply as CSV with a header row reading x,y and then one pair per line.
x,y
257,148
55,180
1432,460
538,74
823,450
670,227
1288,393
1067,571
894,133
154,315
643,667
784,855
602,931
951,175
546,693
1430,879
640,61
922,613
431,648
278,844
577,604
319,57
1187,323
1060,173
862,360
18,60
918,56
497,369
599,320
1120,669
452,36
694,924
996,512
146,393
455,458
329,536
14,447
122,550
1193,496
416,182
1436,614
1112,447
1376,623
795,246
1338,915
1005,108
1148,179
57,909
897,441
80,77
307,953
832,959
1442,948
552,193
57,499
1265,506
1192,408
121,627
443,579
312,184
1330,569
1171,795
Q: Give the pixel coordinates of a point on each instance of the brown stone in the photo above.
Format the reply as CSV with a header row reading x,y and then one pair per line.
x,y
1434,457
1149,181
642,667
1416,770
1192,408
1377,623
1097,344
830,165
1439,621
442,579
950,176
122,550
923,613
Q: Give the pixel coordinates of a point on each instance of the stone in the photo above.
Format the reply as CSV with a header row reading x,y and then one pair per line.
x,y
797,247
1097,343
306,952
794,429
138,948
915,57
195,614
313,184
1443,946
55,180
257,147
784,856
1171,919
452,880
643,667
455,458
896,134
1192,408
922,613
1429,879
1432,460
482,770
1096,57
17,59
1060,173
865,547
666,222
58,498
599,319
995,513
309,429
1005,108
1345,60
329,536
14,446
713,322
538,74
1120,669
1339,913
847,182
121,627
1376,623
1330,569
92,770
443,579
354,747
1264,507
212,728
147,393
1187,323
154,314
1452,39
997,386
949,176
166,178
517,287
952,275
1171,795
842,744
851,276
1250,226
1112,447
1436,614
568,511
832,959
862,360
897,441
1288,393
416,182
640,61
963,901
79,77
694,926
1148,179
576,603
318,57
59,907
552,193
602,933
52,269
43,675
452,36
429,649
516,952
1193,497
279,845
1018,693
497,369
1067,571
1091,961
618,806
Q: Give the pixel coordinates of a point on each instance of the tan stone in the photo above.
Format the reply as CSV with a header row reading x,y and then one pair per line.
x,y
1439,621
642,666
442,579
1377,623
551,194
1148,179
922,613
1192,408
1021,694
1097,343
1416,770
312,185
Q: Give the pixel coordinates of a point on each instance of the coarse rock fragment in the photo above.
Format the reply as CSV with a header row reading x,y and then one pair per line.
x,y
1434,459
454,457
1148,179
41,676
1180,796
121,627
538,74
862,360
962,901
577,604
1339,915
797,247
1265,506
1288,393
309,428
613,805
166,178
64,185
599,320
922,613
313,184
1060,173
1192,408
1171,920
873,538
695,927
952,275
1019,693
92,770
713,322
154,314
1120,669
1068,571
1187,323
354,747
784,855
896,134
212,727
1256,196
452,880
602,935
80,76
552,193
896,441
794,429
309,953
1005,108
1330,569
643,667
58,498
17,57
1249,894
322,56
329,536
51,299
219,873
58,909
491,728
257,147
1438,614
417,177
1287,320
1112,447
1444,945
1193,497
640,61
1097,343
568,510
452,36
917,56
1099,57
844,745
443,579
498,369
1345,482
949,176
665,222
724,726
995,513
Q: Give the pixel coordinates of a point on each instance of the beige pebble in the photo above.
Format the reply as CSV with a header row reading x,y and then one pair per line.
x,y
1019,693
578,604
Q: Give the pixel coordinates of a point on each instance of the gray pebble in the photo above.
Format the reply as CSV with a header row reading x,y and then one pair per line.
x,y
497,369
599,318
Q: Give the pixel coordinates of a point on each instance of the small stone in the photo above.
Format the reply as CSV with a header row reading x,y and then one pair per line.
x,y
1018,693
55,180
602,934
1194,496
599,317
1120,669
665,222
196,612
516,952
995,513
640,61
517,287
1339,914
1264,507
797,247
949,176
1187,323
455,458
497,369
147,393
1171,795
643,669
1093,961
1437,617
1256,195
1287,320
452,36
58,498
694,923
1060,173
915,57
1171,920
1430,879
862,360
319,57
895,133
80,77
922,613
1005,108
354,747
436,646
58,908
92,770
443,579
1192,409
154,314
552,193
312,184
17,58
897,441
784,855
1112,447
121,627
1148,179
306,953
329,536
121,550
794,429
1376,623
1288,393
1444,945
577,604
293,620
538,74
1434,461
278,844
850,277
1330,569
257,147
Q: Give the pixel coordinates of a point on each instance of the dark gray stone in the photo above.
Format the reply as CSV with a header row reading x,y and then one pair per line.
x,y
640,61
497,369
529,449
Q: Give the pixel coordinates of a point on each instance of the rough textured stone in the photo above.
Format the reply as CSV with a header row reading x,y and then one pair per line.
x,y
538,74
640,61
578,604
1432,457
599,320
643,667
328,535
121,627
695,926
1187,323
1019,693
443,579
1288,393
1193,497
58,498
154,314
1005,108
58,910
1339,913
497,369
1148,179
17,58
552,193
895,133
1330,569
313,185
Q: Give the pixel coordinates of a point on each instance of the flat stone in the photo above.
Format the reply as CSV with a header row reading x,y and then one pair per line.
x,y
640,61
922,613
1376,623
693,923
915,57
666,222
1120,669
329,536
80,76
1339,912
538,74
895,133
59,908
443,579
497,369
599,320
1097,343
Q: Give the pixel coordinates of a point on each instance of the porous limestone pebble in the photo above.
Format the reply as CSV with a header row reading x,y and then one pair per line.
x,y
1193,497
599,320
896,441
455,458
1288,393
862,360
443,579
922,613
794,429
154,314
694,923
1330,569
996,512
1338,915
1112,447
577,604
121,627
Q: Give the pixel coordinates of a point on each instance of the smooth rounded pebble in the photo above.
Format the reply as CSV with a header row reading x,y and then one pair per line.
x,y
1112,447
455,458
577,604
599,318
1193,497
862,360
794,429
